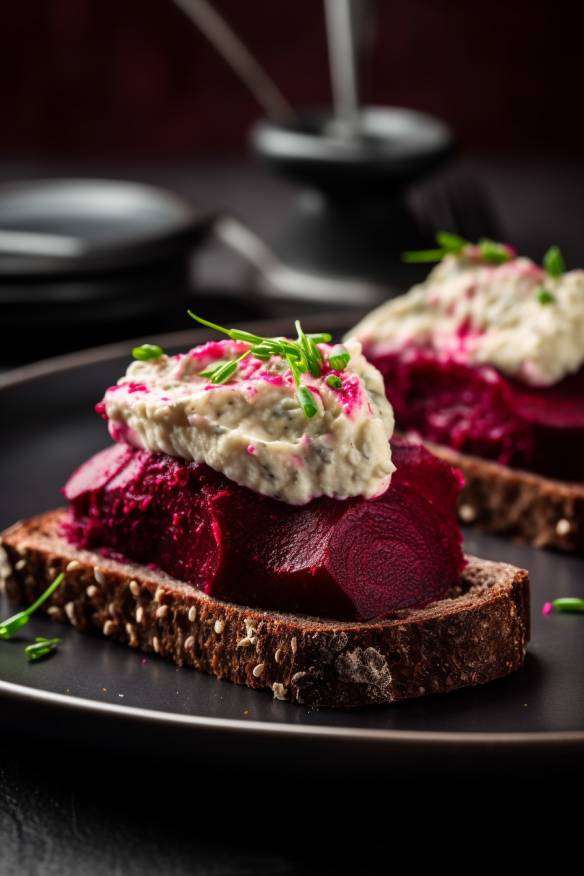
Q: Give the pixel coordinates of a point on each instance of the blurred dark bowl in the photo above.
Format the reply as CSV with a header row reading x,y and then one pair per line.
x,y
135,242
392,148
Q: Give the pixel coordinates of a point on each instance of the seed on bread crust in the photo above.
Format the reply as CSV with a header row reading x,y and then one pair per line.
x,y
279,691
563,526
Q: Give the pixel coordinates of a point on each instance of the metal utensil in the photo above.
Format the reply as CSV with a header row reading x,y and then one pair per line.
x,y
340,21
237,55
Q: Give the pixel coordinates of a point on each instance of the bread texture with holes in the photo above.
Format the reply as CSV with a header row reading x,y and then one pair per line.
x,y
475,635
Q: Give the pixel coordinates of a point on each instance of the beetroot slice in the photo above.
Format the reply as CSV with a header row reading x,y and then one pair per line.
x,y
355,559
478,411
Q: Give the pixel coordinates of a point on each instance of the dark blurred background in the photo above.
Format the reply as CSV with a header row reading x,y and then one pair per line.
x,y
133,91
92,78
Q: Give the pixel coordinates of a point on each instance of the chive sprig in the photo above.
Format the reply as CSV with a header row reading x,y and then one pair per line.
x,y
302,356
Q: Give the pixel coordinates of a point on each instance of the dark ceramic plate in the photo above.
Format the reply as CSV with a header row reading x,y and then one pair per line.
x,y
105,693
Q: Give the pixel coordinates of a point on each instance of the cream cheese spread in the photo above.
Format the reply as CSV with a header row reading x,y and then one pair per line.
x,y
253,429
488,315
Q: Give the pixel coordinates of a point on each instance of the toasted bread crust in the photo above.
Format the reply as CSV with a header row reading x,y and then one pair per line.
x,y
530,508
477,635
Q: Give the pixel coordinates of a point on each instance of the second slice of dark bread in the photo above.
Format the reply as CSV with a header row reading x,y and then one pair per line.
x,y
524,506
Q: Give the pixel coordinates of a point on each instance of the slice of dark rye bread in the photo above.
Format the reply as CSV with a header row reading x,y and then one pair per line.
x,y
530,508
478,634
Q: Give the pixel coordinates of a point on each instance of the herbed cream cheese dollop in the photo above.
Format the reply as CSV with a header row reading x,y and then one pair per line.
x,y
253,429
513,317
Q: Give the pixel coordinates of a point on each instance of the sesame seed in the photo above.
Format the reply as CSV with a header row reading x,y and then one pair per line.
x,y
189,643
139,614
193,613
563,527
258,670
249,628
219,626
279,691
20,565
467,513
134,588
297,676
21,550
91,590
99,576
70,612
54,611
294,644
159,594
111,609
108,627
73,565
156,644
130,629
278,655
161,612
243,643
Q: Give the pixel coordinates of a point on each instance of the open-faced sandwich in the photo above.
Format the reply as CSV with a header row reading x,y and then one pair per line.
x,y
253,520
485,362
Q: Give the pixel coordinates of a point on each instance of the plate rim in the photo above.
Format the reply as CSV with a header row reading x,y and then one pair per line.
x,y
273,730
71,703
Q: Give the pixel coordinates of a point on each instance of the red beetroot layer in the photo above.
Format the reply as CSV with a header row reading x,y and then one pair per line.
x,y
354,559
476,410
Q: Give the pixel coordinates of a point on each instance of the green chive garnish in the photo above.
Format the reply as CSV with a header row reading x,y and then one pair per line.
x,y
17,621
146,352
225,371
494,253
334,382
41,648
553,262
302,355
307,402
567,604
544,296
451,244
339,358
421,256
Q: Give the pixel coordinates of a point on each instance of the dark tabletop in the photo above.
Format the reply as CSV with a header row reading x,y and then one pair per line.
x,y
67,809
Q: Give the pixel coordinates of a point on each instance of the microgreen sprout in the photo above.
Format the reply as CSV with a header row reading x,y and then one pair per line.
x,y
553,262
544,296
302,355
490,251
17,621
41,648
339,358
566,604
146,352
